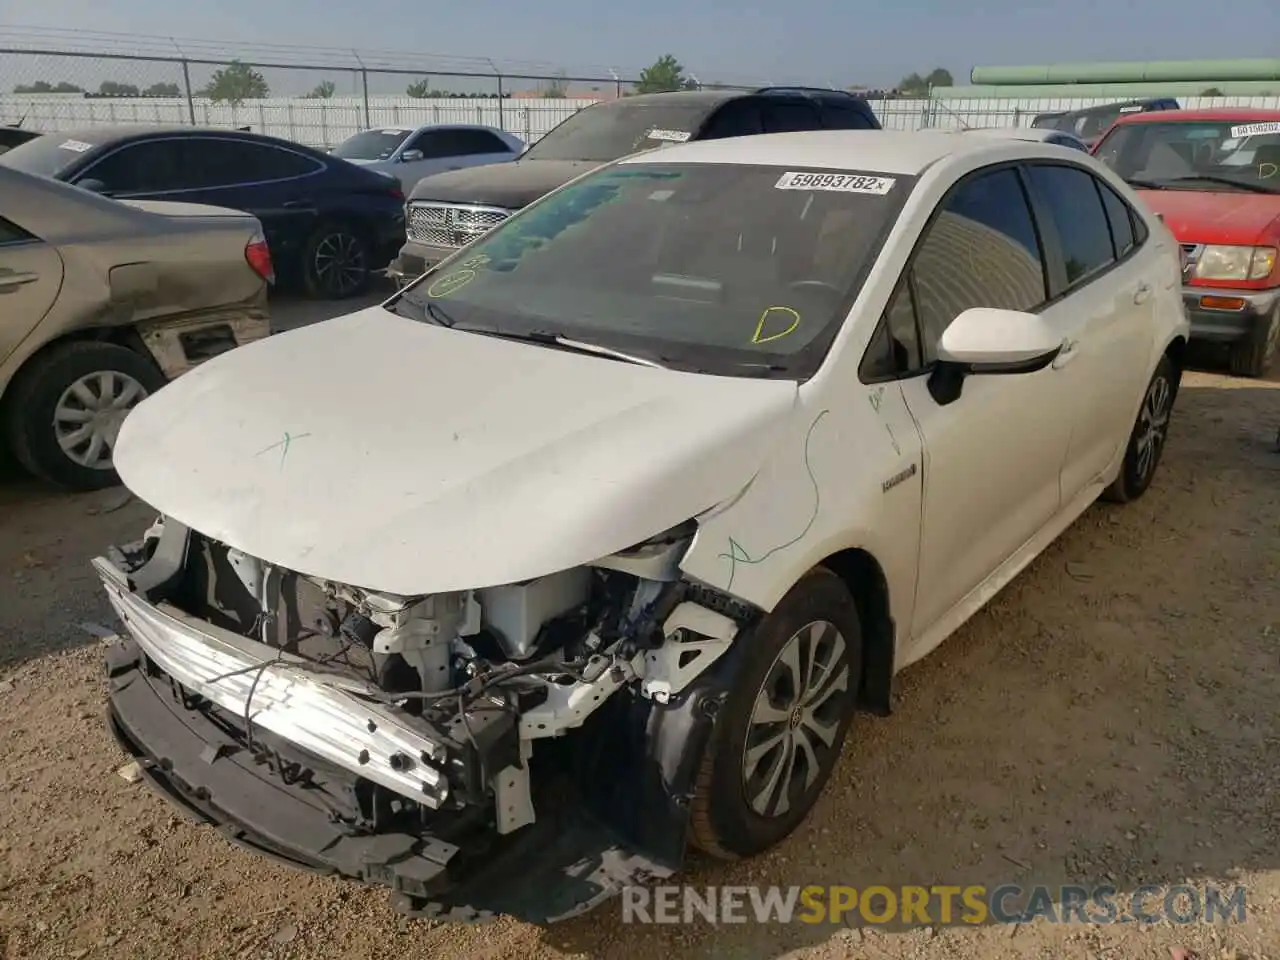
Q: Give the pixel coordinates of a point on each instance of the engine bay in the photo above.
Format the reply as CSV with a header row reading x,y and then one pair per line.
x,y
463,697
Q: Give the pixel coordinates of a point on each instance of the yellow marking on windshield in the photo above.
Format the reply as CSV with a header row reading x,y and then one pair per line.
x,y
450,283
479,260
775,314
1271,169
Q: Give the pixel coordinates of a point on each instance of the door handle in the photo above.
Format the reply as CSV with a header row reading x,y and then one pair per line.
x,y
1065,355
295,204
1142,293
11,281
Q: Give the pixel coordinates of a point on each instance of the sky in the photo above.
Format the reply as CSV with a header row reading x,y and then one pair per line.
x,y
797,41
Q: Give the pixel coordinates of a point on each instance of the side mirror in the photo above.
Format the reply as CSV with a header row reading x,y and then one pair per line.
x,y
986,341
411,156
93,186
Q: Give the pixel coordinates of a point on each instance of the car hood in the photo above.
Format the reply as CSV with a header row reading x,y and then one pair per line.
x,y
168,208
404,457
511,185
1215,216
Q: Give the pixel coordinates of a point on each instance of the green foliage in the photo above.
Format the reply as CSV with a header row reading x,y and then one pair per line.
x,y
321,91
665,75
915,85
44,86
235,83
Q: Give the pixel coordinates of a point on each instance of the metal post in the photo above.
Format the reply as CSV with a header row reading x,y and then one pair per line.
x,y
186,80
502,120
364,86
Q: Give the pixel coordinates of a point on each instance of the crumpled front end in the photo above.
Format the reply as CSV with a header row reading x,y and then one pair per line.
x,y
526,749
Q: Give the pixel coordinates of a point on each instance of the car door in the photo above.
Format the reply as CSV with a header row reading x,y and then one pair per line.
x,y
992,458
736,118
281,187
30,278
1104,302
441,149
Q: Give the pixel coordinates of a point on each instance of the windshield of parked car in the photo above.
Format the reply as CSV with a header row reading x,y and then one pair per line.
x,y
729,269
611,130
1197,154
371,145
48,155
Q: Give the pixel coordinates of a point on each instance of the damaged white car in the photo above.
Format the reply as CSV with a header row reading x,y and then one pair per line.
x,y
588,545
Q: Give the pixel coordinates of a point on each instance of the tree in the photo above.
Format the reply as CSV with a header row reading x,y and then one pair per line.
x,y
558,88
419,89
915,85
162,90
110,88
1212,92
235,83
939,77
322,91
44,86
664,76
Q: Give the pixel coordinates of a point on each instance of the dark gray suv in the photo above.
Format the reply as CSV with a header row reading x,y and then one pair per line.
x,y
448,210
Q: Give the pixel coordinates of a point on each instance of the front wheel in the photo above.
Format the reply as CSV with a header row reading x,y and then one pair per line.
x,y
781,728
1146,442
335,262
66,406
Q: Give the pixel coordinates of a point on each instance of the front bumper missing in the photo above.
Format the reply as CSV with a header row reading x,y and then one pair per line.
x,y
173,708
325,717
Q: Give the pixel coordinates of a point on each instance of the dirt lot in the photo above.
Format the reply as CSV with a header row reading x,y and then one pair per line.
x,y
1111,717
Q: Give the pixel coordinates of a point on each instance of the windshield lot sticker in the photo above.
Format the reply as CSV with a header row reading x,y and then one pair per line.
x,y
775,323
839,182
670,136
450,283
474,263
1253,129
76,146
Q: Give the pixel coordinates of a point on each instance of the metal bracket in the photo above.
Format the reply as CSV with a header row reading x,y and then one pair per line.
x,y
695,638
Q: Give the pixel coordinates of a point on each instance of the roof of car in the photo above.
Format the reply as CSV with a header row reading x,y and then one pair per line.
x,y
1214,114
101,135
907,153
1023,133
711,98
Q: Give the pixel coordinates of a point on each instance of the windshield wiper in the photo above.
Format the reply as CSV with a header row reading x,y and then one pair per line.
x,y
427,311
1145,184
1225,181
549,339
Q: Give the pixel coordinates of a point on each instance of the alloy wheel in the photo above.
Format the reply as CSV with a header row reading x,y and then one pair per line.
x,y
88,416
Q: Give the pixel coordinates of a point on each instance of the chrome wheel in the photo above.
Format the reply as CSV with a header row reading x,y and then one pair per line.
x,y
795,719
1153,425
88,416
339,264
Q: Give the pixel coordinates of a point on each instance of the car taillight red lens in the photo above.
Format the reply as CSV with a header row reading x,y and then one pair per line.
x,y
258,257
398,194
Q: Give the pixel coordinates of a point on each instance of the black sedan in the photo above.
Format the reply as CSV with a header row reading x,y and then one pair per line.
x,y
330,225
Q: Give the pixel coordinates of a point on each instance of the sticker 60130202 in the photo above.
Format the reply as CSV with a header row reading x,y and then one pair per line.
x,y
839,182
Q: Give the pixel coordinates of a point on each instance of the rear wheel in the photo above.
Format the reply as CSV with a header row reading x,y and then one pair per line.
x,y
1252,356
781,728
65,409
1146,442
335,262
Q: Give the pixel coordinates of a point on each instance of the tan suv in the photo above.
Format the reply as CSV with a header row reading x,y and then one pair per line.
x,y
101,303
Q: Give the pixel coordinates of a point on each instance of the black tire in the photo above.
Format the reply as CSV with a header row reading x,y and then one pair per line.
x,y
336,262
724,823
1253,356
33,398
1138,470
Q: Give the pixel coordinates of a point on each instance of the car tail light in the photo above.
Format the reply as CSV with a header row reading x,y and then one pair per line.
x,y
258,256
397,193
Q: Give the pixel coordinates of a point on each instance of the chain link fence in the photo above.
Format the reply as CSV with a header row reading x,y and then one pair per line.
x,y
321,97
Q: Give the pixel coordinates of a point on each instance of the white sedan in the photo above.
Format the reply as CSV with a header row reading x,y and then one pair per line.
x,y
591,543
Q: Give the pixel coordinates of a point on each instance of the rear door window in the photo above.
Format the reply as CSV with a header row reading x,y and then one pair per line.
x,y
215,162
737,118
844,116
789,115
148,166
1120,217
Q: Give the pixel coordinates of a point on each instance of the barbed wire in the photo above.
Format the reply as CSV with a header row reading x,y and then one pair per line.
x,y
110,44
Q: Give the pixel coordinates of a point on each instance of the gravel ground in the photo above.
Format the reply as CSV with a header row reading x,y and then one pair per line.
x,y
1109,718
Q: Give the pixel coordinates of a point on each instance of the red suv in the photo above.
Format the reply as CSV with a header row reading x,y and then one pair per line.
x,y
1213,176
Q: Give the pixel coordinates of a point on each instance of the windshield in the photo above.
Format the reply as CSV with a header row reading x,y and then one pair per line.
x,y
371,145
609,131
48,155
730,269
1197,155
